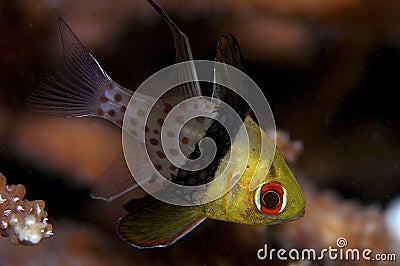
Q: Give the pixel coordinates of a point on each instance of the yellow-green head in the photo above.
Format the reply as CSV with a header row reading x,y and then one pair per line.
x,y
277,199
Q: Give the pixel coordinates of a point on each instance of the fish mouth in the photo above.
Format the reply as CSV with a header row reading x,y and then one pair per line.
x,y
298,215
292,218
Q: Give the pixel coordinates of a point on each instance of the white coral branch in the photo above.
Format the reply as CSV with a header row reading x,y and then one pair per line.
x,y
23,221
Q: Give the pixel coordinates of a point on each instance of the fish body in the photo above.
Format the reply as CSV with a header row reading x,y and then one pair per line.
x,y
152,223
83,88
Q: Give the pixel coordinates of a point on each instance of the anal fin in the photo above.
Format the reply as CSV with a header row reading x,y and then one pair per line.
x,y
116,181
152,223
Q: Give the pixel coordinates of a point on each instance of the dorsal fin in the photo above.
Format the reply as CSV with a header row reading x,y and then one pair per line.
x,y
228,52
183,53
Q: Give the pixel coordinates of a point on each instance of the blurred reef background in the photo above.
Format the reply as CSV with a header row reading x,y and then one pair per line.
x,y
329,69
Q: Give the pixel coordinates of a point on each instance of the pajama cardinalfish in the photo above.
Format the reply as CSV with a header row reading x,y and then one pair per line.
x,y
83,88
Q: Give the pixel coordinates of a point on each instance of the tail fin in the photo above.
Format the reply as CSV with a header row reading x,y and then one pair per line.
x,y
75,90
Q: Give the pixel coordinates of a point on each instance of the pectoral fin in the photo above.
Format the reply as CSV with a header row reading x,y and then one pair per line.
x,y
151,223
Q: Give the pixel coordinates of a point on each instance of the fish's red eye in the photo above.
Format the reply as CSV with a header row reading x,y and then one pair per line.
x,y
270,198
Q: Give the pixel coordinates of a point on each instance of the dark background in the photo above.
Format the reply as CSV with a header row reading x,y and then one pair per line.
x,y
329,72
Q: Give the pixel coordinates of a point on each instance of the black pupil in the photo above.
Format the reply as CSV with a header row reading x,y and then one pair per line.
x,y
271,199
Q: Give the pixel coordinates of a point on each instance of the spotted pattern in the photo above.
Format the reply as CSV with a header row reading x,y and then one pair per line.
x,y
185,140
113,102
153,146
111,112
161,155
160,121
173,152
103,99
167,108
183,106
158,167
154,142
179,120
117,97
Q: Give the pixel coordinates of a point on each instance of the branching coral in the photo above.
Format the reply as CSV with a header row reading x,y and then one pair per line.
x,y
23,221
289,149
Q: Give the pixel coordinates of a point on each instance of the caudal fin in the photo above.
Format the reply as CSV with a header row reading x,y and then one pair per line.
x,y
75,90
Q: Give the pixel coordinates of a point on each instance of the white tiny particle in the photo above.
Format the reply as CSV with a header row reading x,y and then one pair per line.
x,y
20,208
15,199
7,212
4,224
2,200
38,209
